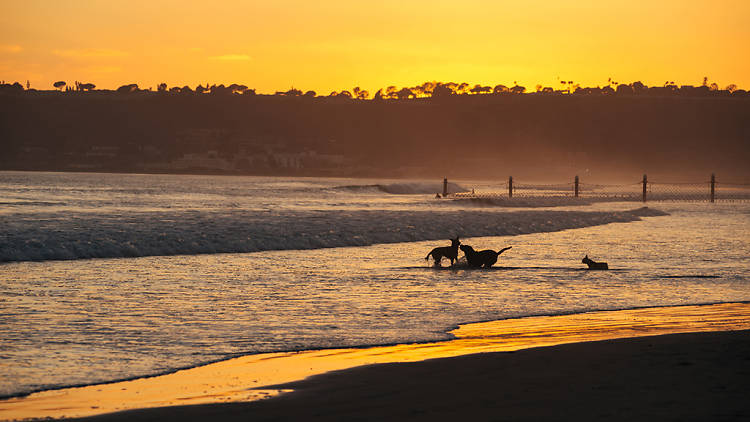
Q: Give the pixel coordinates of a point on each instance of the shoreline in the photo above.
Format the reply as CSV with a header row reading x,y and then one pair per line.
x,y
352,347
687,377
255,377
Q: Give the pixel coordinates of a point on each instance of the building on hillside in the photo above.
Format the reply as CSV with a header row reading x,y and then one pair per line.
x,y
208,160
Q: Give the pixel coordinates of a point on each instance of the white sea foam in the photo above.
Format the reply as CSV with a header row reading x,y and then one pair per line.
x,y
524,202
41,237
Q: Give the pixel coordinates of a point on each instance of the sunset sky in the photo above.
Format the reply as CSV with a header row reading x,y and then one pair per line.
x,y
338,44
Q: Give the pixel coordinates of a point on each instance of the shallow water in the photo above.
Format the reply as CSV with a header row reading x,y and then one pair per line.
x,y
81,321
260,376
52,216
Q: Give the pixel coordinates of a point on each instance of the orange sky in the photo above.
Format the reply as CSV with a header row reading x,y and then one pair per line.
x,y
331,45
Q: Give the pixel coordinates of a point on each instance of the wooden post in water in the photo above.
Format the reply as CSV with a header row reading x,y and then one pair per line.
x,y
510,187
576,187
445,186
645,183
713,186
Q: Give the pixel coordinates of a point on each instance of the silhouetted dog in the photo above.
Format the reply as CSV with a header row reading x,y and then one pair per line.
x,y
485,258
450,252
593,265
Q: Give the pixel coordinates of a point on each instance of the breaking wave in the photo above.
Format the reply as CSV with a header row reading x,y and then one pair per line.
x,y
51,236
403,188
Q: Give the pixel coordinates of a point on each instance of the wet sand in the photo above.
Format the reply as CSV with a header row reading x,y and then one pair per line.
x,y
686,377
643,374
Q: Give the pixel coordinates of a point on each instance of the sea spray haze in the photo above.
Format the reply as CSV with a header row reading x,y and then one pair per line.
x,y
264,264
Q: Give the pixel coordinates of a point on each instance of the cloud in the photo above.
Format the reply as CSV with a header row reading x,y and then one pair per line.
x,y
90,53
232,57
5,48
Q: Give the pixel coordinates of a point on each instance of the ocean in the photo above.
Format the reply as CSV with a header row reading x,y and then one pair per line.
x,y
106,277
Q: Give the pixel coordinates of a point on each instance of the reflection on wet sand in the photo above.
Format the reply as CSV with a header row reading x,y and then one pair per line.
x,y
252,377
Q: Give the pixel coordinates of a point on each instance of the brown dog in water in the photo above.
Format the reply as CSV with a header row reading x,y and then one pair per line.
x,y
485,258
593,265
450,252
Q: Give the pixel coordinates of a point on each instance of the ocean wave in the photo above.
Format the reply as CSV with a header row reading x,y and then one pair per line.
x,y
42,237
413,188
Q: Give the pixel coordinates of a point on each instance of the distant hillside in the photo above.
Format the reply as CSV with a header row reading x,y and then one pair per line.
x,y
489,136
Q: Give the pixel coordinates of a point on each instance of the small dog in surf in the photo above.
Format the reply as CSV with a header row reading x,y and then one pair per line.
x,y
593,265
450,252
485,258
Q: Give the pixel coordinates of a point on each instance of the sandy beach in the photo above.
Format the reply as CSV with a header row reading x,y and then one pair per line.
x,y
671,362
693,376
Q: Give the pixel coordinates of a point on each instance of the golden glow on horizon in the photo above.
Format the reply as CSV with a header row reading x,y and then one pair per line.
x,y
338,44
243,378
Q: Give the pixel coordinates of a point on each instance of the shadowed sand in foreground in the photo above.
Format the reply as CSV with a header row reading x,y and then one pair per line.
x,y
694,373
694,376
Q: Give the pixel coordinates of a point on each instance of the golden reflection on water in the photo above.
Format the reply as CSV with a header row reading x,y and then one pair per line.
x,y
244,378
